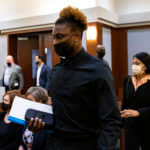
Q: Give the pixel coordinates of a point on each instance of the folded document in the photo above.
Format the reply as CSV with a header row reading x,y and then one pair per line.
x,y
20,106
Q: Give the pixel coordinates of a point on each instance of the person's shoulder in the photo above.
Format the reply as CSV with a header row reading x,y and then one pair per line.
x,y
46,66
126,78
98,64
17,66
100,69
56,66
93,60
2,114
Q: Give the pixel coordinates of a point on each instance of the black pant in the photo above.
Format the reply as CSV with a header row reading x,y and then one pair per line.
x,y
62,142
136,138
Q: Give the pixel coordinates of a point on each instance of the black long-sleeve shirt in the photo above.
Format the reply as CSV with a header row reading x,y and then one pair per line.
x,y
139,100
84,99
10,134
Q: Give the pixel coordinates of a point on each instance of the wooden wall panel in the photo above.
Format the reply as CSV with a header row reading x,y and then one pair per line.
x,y
46,41
99,33
12,46
119,56
41,45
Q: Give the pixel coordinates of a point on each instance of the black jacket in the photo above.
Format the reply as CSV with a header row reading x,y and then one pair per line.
x,y
44,79
10,134
138,100
84,99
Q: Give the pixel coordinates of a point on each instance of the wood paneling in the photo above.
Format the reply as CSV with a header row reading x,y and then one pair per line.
x,y
27,31
12,46
41,44
24,50
91,44
119,56
46,41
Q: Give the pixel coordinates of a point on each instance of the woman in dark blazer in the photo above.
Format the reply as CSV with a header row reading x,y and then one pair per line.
x,y
136,104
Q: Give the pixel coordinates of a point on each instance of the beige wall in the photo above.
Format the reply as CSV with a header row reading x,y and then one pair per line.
x,y
107,4
3,54
132,6
15,9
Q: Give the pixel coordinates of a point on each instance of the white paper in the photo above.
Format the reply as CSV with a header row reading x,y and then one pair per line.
x,y
20,106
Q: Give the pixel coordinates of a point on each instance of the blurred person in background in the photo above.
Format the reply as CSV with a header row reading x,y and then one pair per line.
x,y
12,77
100,49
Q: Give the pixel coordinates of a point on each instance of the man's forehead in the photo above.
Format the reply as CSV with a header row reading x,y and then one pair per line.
x,y
8,58
61,28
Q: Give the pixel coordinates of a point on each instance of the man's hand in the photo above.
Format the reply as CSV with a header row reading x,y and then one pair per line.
x,y
36,125
129,113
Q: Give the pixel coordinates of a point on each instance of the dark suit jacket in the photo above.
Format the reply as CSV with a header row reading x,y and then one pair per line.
x,y
16,80
44,80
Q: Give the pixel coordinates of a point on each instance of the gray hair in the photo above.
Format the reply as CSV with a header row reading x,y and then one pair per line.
x,y
38,93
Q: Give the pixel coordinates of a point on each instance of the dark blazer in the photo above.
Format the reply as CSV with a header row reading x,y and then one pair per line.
x,y
44,80
16,80
137,100
10,134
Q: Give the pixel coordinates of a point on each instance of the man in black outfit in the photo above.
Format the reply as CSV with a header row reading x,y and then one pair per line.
x,y
86,115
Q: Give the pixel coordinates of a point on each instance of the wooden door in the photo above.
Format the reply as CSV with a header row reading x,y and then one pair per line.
x,y
46,41
25,45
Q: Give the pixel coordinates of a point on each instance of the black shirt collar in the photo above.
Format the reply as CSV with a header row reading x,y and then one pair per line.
x,y
73,59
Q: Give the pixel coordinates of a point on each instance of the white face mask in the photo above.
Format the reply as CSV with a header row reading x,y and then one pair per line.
x,y
137,70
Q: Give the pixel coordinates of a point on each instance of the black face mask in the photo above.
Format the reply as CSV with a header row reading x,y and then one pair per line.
x,y
9,64
63,49
4,106
37,62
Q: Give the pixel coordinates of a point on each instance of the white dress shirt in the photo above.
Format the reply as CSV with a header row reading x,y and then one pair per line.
x,y
38,75
7,75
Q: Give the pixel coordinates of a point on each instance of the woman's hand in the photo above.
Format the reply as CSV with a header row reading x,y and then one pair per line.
x,y
126,113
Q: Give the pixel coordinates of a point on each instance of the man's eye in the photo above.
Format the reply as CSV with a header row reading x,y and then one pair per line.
x,y
59,36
